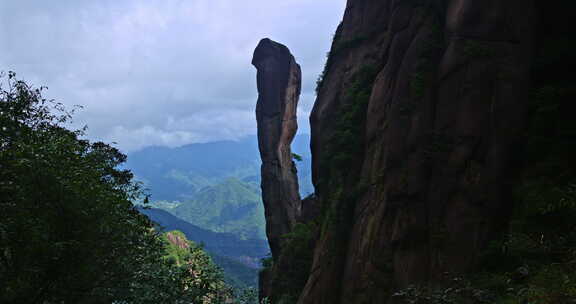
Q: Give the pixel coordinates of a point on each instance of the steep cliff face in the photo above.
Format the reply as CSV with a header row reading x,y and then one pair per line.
x,y
279,83
419,115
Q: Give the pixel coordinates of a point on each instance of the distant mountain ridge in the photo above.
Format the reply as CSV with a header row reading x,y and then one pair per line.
x,y
233,206
224,244
214,185
211,192
175,174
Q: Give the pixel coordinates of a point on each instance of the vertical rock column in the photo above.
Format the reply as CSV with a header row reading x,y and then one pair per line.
x,y
279,83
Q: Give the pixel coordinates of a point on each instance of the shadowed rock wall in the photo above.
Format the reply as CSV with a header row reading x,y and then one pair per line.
x,y
279,83
415,130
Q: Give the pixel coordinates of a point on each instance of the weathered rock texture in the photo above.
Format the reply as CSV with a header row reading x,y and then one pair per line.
x,y
414,132
279,83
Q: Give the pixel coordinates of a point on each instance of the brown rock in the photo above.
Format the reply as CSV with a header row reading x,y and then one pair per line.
x,y
279,83
414,133
309,210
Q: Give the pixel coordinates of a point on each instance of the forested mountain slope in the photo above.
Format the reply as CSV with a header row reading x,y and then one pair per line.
x,y
215,186
239,259
69,232
176,174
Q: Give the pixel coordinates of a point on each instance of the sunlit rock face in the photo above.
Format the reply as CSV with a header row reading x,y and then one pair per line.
x,y
279,84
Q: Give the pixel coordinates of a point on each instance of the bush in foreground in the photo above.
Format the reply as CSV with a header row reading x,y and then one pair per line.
x,y
68,230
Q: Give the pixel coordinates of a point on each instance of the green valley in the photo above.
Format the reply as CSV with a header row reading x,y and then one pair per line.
x,y
232,206
215,186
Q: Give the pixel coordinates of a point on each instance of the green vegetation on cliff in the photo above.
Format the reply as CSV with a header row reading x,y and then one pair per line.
x,y
204,274
237,258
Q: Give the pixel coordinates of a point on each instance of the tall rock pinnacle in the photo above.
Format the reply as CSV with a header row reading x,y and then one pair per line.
x,y
279,83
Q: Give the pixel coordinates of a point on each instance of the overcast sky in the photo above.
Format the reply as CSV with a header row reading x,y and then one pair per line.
x,y
162,72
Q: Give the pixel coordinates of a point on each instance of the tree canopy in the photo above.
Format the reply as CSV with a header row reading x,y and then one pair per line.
x,y
69,232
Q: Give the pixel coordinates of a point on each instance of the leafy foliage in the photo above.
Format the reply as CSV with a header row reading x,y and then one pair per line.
x,y
298,245
204,277
69,232
237,258
296,157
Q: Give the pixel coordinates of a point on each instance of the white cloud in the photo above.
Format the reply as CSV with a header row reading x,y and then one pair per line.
x,y
161,72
